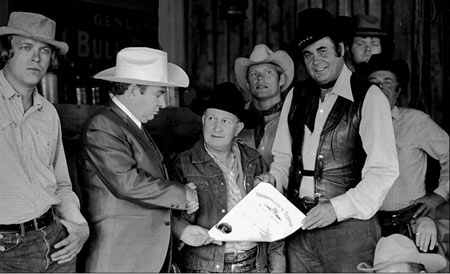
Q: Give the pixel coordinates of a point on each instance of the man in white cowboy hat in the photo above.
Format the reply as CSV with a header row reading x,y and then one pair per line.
x,y
263,77
129,198
334,151
397,253
41,227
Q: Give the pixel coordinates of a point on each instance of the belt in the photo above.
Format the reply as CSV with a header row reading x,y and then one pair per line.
x,y
240,261
34,224
398,217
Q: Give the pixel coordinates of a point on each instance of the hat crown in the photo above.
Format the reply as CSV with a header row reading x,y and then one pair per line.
x,y
226,96
141,63
33,23
260,53
394,246
367,21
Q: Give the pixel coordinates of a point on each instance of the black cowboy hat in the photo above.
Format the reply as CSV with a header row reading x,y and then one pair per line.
x,y
314,24
398,66
224,96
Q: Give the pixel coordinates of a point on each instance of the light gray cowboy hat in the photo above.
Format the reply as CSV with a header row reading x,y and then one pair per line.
x,y
144,66
398,248
34,26
263,54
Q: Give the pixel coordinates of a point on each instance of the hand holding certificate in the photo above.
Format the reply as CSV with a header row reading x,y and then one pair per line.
x,y
263,215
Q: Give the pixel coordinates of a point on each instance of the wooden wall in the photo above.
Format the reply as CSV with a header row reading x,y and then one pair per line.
x,y
420,29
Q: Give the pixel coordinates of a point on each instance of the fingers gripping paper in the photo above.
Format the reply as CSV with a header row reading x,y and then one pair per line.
x,y
263,215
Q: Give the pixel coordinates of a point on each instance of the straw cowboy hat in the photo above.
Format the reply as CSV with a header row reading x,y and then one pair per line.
x,y
368,25
144,66
34,26
398,248
262,54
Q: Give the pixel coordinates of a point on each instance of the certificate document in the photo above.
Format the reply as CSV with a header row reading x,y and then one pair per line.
x,y
263,215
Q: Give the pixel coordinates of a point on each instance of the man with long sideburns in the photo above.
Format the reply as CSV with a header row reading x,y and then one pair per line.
x,y
335,143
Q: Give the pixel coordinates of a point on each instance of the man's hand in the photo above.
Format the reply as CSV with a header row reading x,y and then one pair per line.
x,y
319,216
192,204
71,246
195,235
426,233
429,204
266,177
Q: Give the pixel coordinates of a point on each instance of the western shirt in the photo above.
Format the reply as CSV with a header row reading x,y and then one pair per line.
x,y
377,135
33,167
416,135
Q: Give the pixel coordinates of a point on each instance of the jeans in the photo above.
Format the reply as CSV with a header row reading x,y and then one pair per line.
x,y
31,253
339,247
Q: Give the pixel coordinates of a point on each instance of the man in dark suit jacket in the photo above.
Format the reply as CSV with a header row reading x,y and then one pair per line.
x,y
128,197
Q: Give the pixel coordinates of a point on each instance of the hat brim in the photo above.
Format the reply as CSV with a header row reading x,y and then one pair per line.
x,y
62,47
279,58
431,262
176,77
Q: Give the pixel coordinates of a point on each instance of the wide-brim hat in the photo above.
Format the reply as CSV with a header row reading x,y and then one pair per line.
x,y
368,25
398,66
34,26
315,23
262,54
224,96
144,66
398,248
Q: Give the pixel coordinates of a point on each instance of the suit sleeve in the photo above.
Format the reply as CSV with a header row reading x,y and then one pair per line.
x,y
113,154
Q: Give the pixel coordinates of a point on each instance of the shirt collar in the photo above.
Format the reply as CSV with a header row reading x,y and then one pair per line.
x,y
342,87
127,112
395,113
9,91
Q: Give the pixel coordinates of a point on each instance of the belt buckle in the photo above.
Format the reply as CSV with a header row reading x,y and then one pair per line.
x,y
235,266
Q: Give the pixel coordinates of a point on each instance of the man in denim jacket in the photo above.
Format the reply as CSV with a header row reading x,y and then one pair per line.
x,y
223,172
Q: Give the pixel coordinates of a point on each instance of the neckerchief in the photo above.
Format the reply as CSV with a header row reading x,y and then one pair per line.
x,y
260,125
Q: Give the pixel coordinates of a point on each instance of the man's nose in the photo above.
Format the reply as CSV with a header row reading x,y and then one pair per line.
x,y
162,101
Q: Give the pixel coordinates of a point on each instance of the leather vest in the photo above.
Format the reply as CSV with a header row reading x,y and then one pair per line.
x,y
340,154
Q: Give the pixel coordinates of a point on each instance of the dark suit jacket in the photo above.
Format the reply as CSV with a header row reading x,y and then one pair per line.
x,y
126,195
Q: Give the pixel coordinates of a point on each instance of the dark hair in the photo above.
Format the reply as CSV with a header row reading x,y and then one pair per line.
x,y
7,52
120,88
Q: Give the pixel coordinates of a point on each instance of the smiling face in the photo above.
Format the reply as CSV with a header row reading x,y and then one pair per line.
x,y
364,47
219,129
28,64
146,102
322,62
264,81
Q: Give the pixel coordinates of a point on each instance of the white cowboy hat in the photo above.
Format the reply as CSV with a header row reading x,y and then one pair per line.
x,y
398,248
34,26
262,54
144,66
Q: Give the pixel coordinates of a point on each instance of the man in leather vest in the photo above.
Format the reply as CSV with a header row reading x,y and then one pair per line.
x,y
335,143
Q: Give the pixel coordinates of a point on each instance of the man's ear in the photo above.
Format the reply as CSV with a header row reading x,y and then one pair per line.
x,y
132,89
341,52
282,80
239,128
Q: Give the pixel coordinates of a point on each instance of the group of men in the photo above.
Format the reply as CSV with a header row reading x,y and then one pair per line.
x,y
332,144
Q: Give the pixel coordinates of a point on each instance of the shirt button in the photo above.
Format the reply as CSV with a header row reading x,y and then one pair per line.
x,y
221,184
262,148
223,210
321,110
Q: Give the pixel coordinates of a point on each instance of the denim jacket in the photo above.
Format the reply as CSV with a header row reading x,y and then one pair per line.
x,y
196,166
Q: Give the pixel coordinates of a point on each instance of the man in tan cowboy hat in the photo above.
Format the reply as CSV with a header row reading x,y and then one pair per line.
x,y
263,77
397,253
41,227
334,151
129,198
369,39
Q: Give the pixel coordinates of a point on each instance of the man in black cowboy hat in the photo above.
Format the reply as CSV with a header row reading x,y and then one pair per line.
x,y
223,171
263,77
416,136
336,144
35,187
